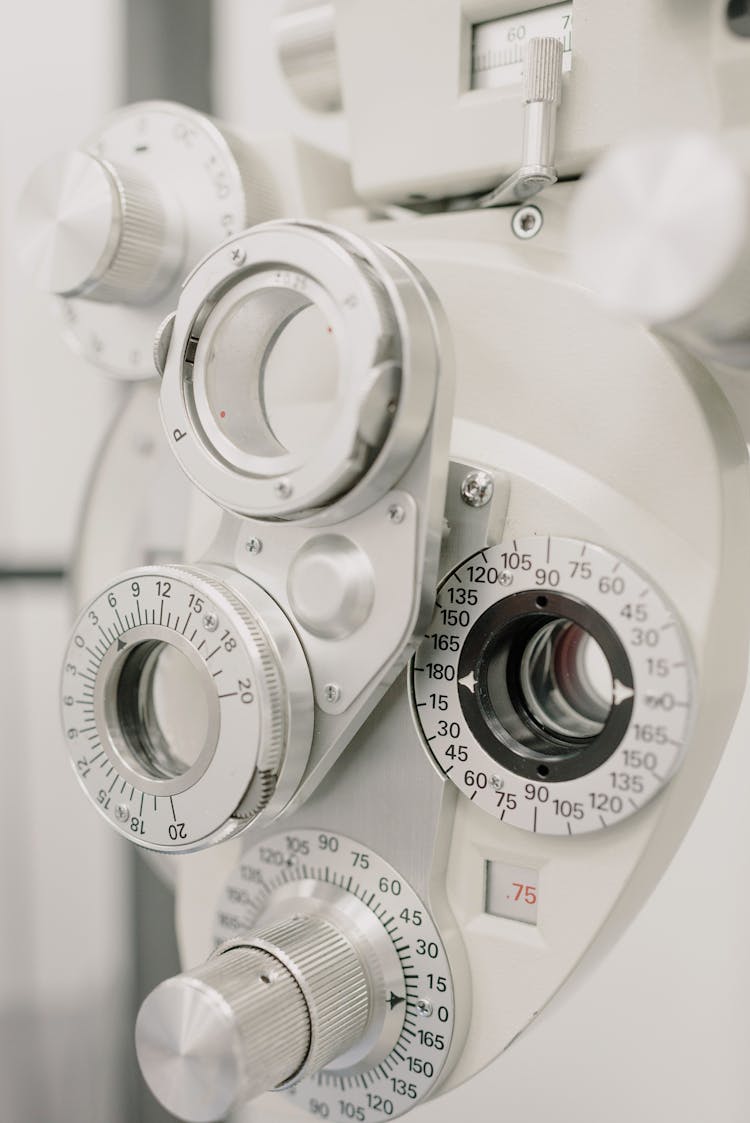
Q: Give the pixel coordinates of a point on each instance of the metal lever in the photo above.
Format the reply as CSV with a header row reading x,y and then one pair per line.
x,y
542,93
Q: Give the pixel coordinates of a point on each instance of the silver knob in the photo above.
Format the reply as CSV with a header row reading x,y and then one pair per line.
x,y
660,231
111,229
306,42
260,1014
88,228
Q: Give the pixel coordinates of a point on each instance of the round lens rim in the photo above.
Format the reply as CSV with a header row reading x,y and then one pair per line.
x,y
108,720
509,738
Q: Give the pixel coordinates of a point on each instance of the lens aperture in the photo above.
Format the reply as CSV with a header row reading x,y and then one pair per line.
x,y
163,708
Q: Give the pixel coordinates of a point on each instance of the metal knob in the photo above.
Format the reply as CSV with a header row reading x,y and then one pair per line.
x,y
660,231
306,43
88,228
260,1014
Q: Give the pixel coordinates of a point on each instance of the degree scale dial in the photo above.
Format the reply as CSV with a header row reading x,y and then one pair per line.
x,y
555,685
402,1054
186,705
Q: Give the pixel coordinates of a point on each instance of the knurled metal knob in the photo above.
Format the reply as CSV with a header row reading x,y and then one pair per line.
x,y
260,1014
306,42
660,231
88,228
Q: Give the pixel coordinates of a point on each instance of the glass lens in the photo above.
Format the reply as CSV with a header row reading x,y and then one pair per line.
x,y
566,681
548,682
272,375
163,710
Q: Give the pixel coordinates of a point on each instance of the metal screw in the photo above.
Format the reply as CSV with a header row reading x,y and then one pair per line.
x,y
527,222
331,692
497,783
505,578
477,488
424,1008
237,255
283,489
210,621
396,513
253,545
122,813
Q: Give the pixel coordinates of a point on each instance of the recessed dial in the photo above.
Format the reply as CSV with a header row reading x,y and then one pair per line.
x,y
400,1054
186,706
113,229
554,687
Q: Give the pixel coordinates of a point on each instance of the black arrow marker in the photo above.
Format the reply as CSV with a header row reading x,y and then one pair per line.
x,y
120,644
394,1000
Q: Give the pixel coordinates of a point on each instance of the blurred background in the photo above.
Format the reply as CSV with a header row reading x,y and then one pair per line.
x,y
659,1031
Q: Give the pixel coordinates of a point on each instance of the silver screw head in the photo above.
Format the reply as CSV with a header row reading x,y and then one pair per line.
x,y
122,813
210,621
331,692
497,783
237,256
283,489
477,488
253,545
527,222
505,579
424,1008
396,513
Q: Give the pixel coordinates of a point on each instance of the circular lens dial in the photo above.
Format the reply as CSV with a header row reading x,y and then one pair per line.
x,y
407,1040
302,371
186,706
554,687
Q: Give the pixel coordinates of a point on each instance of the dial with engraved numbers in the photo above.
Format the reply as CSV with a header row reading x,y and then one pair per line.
x,y
402,1051
186,705
113,229
555,685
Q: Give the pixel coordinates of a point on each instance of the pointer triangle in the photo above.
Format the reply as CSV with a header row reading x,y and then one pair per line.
x,y
621,692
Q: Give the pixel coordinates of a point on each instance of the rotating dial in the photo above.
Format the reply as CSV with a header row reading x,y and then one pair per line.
x,y
400,1054
186,706
113,230
555,686
268,1009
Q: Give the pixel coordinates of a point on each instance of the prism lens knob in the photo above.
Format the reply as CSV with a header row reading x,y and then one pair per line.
x,y
259,1015
187,706
301,371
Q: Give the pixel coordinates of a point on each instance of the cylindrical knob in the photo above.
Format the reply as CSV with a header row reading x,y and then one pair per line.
x,y
660,230
260,1014
88,228
306,42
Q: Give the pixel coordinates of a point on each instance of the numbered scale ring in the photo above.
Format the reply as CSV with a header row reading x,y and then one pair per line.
x,y
186,705
555,685
403,1050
